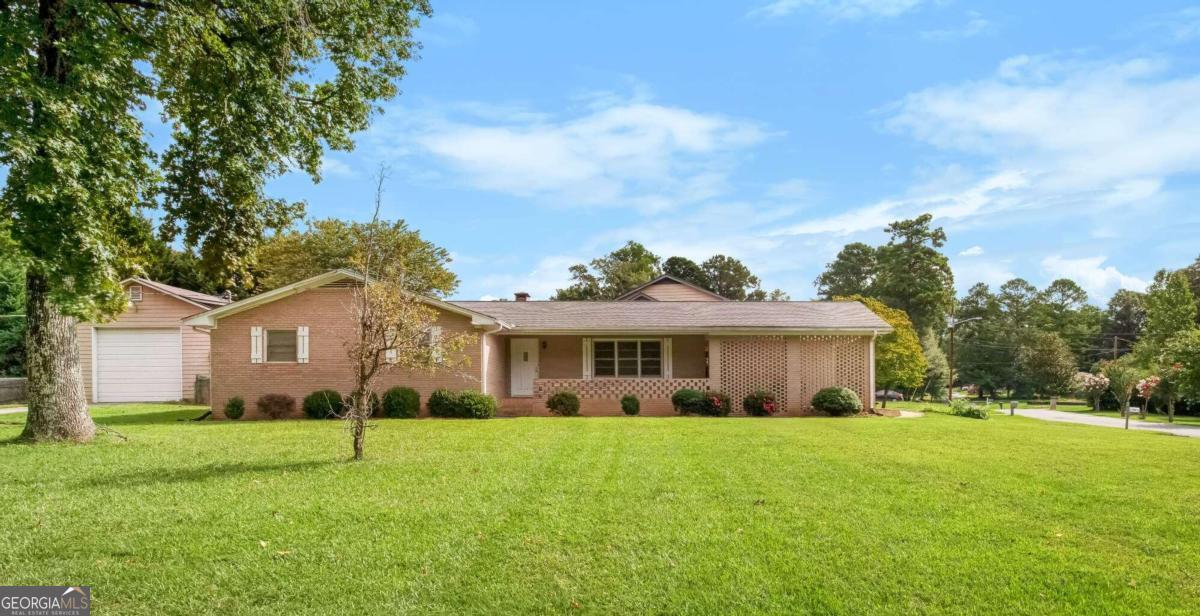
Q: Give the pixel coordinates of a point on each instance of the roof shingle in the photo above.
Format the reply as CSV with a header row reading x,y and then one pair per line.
x,y
665,316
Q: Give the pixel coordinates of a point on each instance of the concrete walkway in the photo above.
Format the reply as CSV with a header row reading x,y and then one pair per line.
x,y
12,410
1111,422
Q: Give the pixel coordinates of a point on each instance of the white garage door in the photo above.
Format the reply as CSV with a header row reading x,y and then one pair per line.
x,y
138,365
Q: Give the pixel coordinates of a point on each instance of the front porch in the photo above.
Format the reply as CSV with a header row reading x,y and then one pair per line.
x,y
791,367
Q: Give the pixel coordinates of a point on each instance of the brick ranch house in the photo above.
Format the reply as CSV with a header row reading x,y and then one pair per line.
x,y
654,340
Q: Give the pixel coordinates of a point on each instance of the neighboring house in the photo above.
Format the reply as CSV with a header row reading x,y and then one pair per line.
x,y
667,288
147,354
291,341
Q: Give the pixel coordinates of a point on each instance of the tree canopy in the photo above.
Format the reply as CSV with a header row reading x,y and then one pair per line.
x,y
899,361
909,272
249,90
332,244
1046,360
633,265
1170,310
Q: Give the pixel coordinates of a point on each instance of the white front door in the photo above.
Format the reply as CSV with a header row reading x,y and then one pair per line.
x,y
523,365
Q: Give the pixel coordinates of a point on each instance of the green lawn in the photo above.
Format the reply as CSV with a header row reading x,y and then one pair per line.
x,y
608,515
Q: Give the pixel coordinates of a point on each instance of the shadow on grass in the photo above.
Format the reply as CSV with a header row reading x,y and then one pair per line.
x,y
196,474
153,417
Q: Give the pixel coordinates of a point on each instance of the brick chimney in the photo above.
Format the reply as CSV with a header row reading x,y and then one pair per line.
x,y
521,296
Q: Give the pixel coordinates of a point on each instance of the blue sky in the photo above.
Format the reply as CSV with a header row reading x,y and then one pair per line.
x,y
1050,139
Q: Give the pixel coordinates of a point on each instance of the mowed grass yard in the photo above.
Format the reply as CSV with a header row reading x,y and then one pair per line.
x,y
607,515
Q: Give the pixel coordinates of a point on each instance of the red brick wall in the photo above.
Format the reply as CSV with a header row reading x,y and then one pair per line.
x,y
326,312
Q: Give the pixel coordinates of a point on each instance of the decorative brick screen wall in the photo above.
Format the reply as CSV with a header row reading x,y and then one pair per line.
x,y
816,362
752,363
615,388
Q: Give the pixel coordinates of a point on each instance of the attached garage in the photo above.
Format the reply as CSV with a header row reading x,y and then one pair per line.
x,y
138,365
146,353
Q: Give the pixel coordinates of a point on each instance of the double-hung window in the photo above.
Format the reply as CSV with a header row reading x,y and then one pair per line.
x,y
627,358
281,345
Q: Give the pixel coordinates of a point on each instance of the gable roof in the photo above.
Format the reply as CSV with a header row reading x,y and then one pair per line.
x,y
210,318
701,316
196,298
638,293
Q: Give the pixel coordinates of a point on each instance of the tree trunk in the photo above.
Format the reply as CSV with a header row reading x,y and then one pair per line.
x,y
359,432
1170,410
58,408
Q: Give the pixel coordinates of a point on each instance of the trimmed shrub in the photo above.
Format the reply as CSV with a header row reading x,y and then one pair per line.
x,y
442,403
688,401
717,404
235,408
323,404
468,404
837,401
630,405
401,403
760,404
962,408
564,403
476,405
276,406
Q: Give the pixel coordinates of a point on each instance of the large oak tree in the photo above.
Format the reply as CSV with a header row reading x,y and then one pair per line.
x,y
250,89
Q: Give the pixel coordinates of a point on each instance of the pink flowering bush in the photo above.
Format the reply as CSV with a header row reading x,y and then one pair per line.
x,y
1146,386
760,404
1090,386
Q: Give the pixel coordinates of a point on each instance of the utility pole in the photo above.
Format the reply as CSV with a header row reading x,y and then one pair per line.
x,y
952,323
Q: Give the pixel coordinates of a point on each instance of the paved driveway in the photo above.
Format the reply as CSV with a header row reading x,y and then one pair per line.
x,y
1111,422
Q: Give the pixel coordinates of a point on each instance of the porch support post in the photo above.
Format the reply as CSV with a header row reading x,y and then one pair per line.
x,y
714,363
871,373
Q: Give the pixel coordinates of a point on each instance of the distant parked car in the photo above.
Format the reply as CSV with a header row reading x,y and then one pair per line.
x,y
888,395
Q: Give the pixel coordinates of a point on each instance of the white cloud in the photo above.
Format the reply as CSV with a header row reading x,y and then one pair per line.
x,y
1059,135
988,271
548,275
789,189
336,168
1088,272
976,25
1087,124
632,153
1181,26
837,9
973,251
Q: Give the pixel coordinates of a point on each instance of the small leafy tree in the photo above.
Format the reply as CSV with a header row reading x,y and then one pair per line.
x,y
392,326
937,369
1123,377
1168,387
1183,356
899,361
1047,362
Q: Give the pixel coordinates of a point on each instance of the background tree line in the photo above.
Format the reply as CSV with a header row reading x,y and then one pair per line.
x,y
632,265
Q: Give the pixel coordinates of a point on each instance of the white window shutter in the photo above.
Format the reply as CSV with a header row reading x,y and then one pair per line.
x,y
668,362
389,354
435,341
587,358
256,345
302,344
